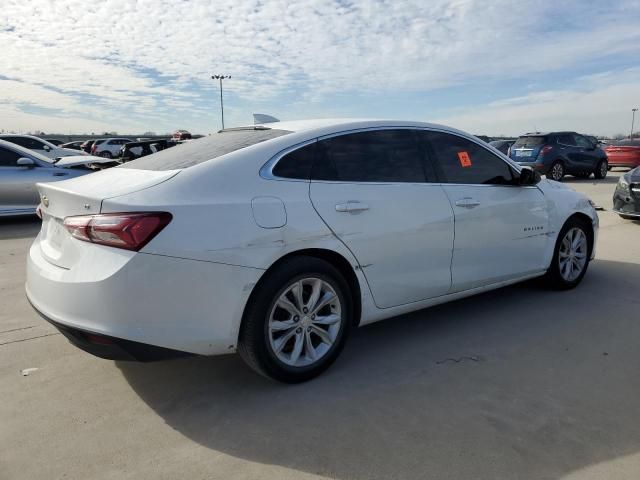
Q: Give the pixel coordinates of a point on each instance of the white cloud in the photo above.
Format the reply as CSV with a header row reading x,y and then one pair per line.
x,y
598,104
102,59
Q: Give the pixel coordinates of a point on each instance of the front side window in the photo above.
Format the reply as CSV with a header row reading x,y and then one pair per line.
x,y
374,156
8,158
459,160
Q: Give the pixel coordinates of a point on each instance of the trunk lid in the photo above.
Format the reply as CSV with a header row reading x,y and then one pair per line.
x,y
84,196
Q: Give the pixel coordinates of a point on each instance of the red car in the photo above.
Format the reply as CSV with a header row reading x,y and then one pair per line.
x,y
624,153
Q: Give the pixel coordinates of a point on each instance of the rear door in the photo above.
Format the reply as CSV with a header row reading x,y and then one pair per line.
x,y
501,228
371,189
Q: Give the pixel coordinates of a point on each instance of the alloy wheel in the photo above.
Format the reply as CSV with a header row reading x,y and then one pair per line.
x,y
557,171
573,254
304,322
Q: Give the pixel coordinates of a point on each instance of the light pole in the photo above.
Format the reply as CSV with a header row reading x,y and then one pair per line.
x,y
221,77
633,117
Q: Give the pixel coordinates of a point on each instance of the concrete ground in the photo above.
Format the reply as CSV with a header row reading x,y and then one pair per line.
x,y
520,383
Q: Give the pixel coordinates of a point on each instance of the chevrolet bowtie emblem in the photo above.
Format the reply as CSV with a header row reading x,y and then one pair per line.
x,y
45,201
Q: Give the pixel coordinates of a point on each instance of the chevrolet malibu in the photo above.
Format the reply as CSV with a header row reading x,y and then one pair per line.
x,y
276,241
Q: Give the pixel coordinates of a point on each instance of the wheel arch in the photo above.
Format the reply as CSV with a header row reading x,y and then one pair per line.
x,y
336,260
588,222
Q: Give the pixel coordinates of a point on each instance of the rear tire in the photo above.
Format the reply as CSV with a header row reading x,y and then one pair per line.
x,y
286,333
571,255
601,170
556,172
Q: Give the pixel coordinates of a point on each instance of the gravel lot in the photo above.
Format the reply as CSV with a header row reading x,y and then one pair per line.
x,y
519,383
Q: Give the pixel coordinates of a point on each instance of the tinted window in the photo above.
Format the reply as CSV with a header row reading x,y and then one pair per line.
x,y
377,156
582,142
566,139
530,141
8,158
296,164
198,151
459,160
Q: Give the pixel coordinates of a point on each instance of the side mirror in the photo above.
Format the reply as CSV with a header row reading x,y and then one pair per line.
x,y
26,162
528,176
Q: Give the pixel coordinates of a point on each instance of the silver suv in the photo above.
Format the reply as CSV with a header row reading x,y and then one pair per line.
x,y
108,147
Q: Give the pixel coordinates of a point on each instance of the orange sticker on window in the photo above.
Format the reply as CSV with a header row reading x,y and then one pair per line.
x,y
465,159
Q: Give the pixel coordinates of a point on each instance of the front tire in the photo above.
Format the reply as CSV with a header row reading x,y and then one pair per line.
x,y
556,172
601,170
105,154
571,255
297,321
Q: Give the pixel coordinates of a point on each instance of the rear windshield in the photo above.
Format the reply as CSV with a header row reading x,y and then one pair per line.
x,y
194,152
626,143
530,141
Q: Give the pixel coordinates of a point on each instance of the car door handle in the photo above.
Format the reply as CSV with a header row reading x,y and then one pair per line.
x,y
352,207
467,202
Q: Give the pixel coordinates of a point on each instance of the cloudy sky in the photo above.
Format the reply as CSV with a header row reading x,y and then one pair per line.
x,y
490,67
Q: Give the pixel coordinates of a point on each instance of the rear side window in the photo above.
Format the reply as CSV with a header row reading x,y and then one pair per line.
x,y
8,158
296,164
459,160
375,156
198,151
566,139
530,141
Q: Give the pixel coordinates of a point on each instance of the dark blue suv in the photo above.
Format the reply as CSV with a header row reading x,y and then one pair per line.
x,y
557,154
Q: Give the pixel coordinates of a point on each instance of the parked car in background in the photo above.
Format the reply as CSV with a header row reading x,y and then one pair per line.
x,y
181,135
133,150
484,138
86,145
108,147
21,169
38,145
77,145
502,145
276,241
624,153
557,154
626,198
55,141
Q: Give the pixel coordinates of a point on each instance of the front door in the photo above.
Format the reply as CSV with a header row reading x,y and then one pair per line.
x,y
501,228
371,189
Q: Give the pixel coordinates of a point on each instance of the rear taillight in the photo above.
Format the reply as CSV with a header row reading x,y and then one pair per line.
x,y
130,231
94,148
544,150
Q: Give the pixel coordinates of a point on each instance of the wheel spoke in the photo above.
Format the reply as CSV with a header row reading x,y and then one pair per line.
x,y
327,319
316,290
309,349
323,334
278,326
283,302
577,239
281,342
297,348
297,293
326,299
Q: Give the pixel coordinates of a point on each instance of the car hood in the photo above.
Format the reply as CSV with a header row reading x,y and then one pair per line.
x,y
75,160
633,175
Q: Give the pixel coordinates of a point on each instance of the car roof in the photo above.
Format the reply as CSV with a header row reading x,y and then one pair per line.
x,y
544,134
328,126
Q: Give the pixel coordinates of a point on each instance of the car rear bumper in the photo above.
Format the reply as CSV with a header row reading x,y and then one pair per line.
x,y
149,300
112,348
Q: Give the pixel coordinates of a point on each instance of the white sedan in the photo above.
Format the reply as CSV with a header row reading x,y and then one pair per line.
x,y
276,241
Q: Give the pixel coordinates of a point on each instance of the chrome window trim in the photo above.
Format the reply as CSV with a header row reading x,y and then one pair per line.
x,y
266,171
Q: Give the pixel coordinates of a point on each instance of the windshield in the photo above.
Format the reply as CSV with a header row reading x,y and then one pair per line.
x,y
27,152
530,141
194,152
